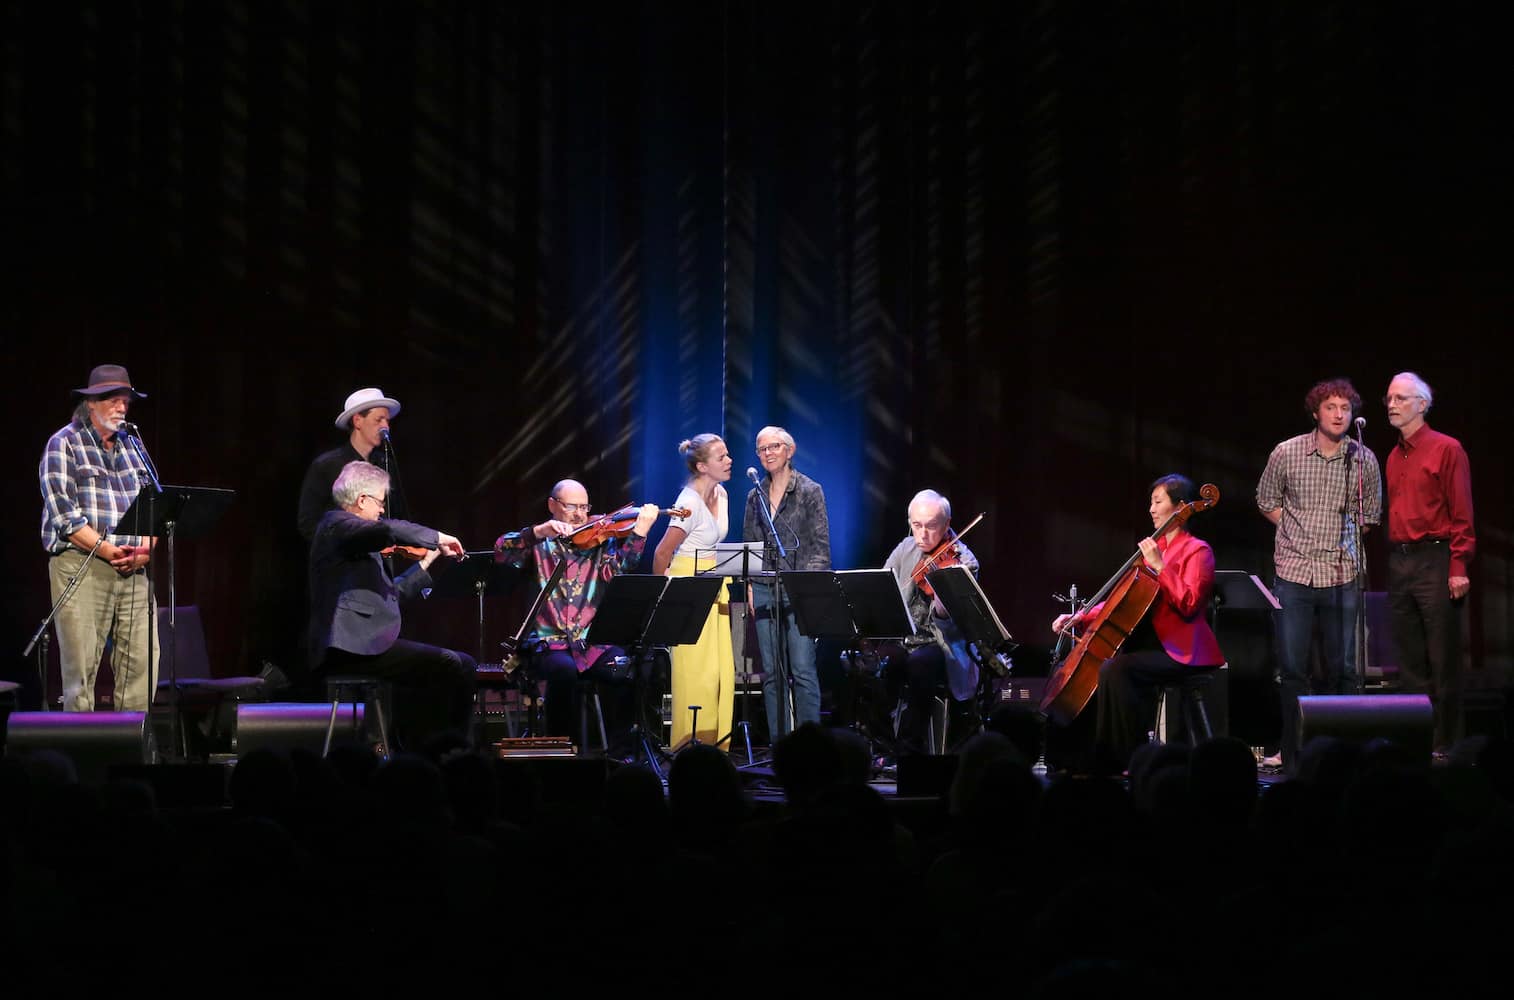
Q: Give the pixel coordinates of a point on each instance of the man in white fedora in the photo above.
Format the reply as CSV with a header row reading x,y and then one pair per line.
x,y
365,417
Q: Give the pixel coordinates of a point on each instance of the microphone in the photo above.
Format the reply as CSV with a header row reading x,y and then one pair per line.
x,y
129,429
384,434
751,473
1361,422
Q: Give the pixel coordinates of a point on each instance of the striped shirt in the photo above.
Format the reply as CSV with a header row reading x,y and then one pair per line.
x,y
1316,536
83,482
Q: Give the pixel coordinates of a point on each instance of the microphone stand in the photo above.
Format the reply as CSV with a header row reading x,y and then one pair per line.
x,y
780,633
41,633
135,441
1359,627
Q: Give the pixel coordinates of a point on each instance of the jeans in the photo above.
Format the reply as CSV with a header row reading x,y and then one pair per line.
x,y
1335,608
798,661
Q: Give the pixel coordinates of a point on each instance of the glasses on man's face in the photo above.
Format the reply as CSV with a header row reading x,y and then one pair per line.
x,y
382,503
572,508
763,449
1399,399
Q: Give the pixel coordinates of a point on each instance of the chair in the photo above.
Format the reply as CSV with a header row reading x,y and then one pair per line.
x,y
373,693
211,700
1185,700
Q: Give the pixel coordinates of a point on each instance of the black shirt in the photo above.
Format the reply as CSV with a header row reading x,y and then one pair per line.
x,y
315,492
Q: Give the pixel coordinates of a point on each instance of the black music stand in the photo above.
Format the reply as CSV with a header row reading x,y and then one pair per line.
x,y
989,641
1241,591
742,563
172,512
477,576
849,605
642,612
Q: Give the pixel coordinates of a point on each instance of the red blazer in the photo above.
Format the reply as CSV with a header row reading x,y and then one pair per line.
x,y
1179,614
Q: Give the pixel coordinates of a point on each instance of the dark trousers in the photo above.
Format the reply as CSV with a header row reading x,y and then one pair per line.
x,y
564,696
433,687
922,671
1427,630
1128,687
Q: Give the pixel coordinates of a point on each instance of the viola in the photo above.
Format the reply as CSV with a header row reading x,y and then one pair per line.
x,y
945,554
1126,597
617,524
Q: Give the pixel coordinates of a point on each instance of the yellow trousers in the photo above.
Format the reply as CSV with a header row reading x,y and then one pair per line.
x,y
704,673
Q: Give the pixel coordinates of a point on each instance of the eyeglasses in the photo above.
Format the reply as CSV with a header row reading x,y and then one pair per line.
x,y
763,449
378,500
1396,398
581,508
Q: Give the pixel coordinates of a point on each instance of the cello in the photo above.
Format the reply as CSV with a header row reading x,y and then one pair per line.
x,y
1127,596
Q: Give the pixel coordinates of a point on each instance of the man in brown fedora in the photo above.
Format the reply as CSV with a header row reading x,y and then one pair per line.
x,y
365,417
90,475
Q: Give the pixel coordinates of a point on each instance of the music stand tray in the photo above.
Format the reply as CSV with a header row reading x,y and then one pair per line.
x,y
192,510
847,604
733,559
968,606
463,579
1235,588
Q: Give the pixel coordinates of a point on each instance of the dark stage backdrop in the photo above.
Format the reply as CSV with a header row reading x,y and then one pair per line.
x,y
1031,256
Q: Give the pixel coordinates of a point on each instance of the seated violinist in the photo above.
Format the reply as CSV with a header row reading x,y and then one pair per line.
x,y
557,652
937,654
355,609
1173,638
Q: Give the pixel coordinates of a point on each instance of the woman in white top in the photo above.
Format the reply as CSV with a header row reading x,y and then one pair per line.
x,y
704,673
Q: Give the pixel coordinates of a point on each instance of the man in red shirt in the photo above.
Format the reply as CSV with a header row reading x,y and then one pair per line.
x,y
1430,547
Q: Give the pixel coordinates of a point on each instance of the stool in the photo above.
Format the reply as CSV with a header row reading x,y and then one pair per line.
x,y
1190,695
373,692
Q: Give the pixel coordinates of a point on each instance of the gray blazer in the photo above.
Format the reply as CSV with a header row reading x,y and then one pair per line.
x,y
354,603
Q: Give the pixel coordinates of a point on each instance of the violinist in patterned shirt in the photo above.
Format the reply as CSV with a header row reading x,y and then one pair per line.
x,y
557,653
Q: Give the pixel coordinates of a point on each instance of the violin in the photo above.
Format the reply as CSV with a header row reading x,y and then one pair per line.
x,y
413,552
617,524
943,555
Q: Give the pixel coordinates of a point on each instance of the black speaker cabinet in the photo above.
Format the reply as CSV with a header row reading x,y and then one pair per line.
x,y
286,726
1406,719
95,741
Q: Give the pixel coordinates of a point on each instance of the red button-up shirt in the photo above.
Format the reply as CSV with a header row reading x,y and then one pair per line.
x,y
1430,494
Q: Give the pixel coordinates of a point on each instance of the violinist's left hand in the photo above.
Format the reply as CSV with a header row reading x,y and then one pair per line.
x,y
1153,555
645,519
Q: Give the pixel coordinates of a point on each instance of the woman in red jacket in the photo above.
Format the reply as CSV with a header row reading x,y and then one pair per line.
x,y
1173,639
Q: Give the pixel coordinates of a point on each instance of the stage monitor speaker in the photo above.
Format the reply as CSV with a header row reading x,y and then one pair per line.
x,y
94,741
284,727
930,775
1406,719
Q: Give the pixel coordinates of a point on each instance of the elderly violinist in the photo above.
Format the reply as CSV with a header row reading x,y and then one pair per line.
x,y
355,608
937,654
557,652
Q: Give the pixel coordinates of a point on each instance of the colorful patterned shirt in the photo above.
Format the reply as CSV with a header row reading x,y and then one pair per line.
x,y
566,614
1316,536
84,482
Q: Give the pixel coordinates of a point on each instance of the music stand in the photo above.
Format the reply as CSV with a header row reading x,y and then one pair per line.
x,y
988,640
641,611
171,512
741,561
1242,591
478,576
849,605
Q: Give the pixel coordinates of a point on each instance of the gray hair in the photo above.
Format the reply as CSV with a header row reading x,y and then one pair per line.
x,y
781,435
357,478
931,496
1420,386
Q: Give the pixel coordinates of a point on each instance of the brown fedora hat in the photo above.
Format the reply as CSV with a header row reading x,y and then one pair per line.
x,y
105,379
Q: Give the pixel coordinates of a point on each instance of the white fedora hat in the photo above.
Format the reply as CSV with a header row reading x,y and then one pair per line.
x,y
366,399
